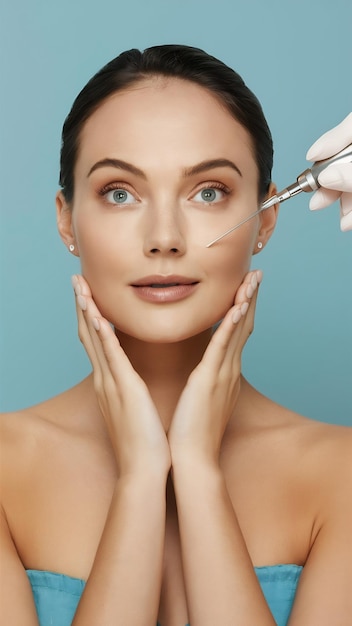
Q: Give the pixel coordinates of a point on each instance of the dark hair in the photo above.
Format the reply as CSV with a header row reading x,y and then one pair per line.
x,y
183,62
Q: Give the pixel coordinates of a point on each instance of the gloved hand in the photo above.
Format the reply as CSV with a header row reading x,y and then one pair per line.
x,y
335,180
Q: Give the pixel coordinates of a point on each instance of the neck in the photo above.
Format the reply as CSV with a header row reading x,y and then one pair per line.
x,y
165,367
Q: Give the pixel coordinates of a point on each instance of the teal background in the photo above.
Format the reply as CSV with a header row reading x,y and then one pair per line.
x,y
296,57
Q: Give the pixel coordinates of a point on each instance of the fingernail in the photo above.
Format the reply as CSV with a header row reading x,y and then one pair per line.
x,y
244,308
259,276
254,281
96,323
249,291
82,302
236,316
76,286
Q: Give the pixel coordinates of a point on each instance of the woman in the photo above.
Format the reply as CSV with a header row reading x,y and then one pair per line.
x,y
161,153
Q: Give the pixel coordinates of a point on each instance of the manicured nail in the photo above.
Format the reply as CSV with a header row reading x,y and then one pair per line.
x,y
259,276
244,308
96,323
254,281
76,286
249,291
236,316
82,303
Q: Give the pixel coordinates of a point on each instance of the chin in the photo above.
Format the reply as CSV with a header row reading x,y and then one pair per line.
x,y
159,336
167,325
164,333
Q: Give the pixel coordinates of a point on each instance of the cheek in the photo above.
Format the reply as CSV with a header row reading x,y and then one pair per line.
x,y
104,257
231,261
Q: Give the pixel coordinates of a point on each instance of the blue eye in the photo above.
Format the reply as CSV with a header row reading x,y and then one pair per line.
x,y
119,196
209,195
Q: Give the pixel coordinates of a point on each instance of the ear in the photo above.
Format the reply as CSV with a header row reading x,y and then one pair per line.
x,y
64,223
268,218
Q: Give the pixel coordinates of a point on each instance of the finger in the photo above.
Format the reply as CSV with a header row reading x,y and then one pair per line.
x,y
248,286
244,329
346,211
230,335
337,176
88,313
83,331
248,295
216,350
323,198
230,365
114,356
110,360
84,288
242,298
111,356
332,141
248,320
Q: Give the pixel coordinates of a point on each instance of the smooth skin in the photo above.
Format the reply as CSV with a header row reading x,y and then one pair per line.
x,y
166,409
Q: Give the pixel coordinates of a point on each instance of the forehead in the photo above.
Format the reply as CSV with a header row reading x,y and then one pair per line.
x,y
165,117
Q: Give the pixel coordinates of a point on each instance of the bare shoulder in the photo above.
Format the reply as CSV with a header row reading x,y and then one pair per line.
x,y
69,411
19,432
37,434
317,454
314,456
326,448
321,449
328,461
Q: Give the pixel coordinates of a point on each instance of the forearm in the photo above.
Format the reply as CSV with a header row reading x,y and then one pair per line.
x,y
221,584
124,584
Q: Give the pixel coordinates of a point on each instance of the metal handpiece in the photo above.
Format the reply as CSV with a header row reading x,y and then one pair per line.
x,y
307,181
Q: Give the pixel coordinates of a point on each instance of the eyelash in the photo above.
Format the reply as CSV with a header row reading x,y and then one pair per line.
x,y
208,185
110,187
213,185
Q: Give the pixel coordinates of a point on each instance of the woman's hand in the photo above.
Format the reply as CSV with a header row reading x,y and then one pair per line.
x,y
335,180
136,432
212,389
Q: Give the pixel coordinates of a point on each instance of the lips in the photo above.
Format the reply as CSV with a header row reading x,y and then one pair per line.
x,y
160,281
164,289
162,285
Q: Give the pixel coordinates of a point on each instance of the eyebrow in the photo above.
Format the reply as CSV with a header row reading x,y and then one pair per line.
x,y
187,172
210,165
118,164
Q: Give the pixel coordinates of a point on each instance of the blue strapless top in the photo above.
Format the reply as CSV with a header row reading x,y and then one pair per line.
x,y
56,596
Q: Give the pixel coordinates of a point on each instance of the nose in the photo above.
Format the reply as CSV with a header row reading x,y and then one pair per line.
x,y
164,233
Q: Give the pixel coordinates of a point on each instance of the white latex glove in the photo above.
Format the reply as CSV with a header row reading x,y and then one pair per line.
x,y
335,180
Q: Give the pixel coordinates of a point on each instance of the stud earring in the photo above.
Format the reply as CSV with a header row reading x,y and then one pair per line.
x,y
259,245
71,247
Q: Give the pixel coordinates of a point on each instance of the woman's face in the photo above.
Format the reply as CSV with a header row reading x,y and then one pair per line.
x,y
162,170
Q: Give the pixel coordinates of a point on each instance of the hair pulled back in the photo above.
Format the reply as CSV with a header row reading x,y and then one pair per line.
x,y
184,62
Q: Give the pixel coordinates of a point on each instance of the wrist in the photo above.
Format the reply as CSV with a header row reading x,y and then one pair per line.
x,y
194,466
144,478
194,456
142,466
